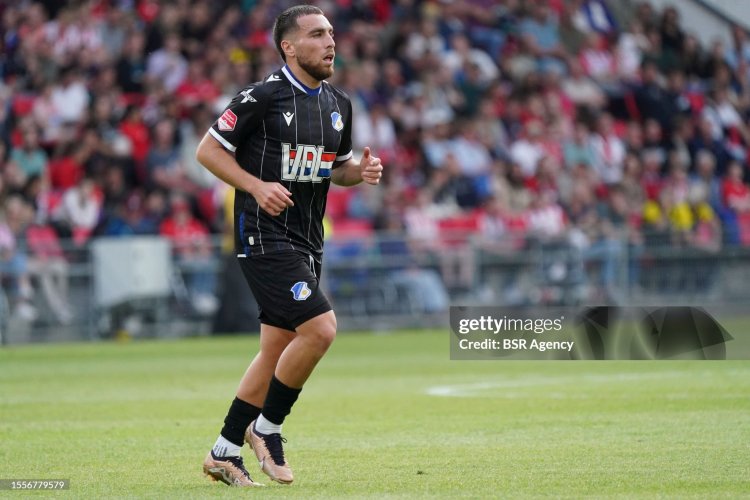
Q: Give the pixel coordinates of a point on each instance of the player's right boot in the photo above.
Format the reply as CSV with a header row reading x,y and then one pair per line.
x,y
268,448
229,470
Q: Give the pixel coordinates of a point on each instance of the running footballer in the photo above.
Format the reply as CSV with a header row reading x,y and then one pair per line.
x,y
280,143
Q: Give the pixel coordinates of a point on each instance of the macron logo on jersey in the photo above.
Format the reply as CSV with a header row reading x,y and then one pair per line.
x,y
306,163
227,121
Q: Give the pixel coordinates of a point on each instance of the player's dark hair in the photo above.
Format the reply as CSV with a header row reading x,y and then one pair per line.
x,y
287,21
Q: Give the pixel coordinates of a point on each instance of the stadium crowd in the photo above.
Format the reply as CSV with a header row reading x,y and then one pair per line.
x,y
576,122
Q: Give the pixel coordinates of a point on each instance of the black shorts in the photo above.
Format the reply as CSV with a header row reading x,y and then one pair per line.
x,y
286,287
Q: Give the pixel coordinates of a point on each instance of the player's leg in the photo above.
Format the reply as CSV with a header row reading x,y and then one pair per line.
x,y
295,365
298,360
254,383
224,462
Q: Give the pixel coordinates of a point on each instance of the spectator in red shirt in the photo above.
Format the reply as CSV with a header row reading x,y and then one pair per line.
x,y
197,87
734,192
136,131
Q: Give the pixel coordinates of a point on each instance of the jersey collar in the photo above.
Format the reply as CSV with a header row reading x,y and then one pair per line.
x,y
293,79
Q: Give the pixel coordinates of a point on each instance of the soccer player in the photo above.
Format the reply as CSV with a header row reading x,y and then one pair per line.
x,y
280,143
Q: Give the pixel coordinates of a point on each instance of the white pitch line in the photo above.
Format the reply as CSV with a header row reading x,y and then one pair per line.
x,y
476,389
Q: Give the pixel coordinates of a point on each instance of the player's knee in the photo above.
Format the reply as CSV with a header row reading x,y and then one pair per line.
x,y
327,334
320,331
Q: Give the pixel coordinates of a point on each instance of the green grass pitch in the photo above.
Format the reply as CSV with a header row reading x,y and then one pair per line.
x,y
383,416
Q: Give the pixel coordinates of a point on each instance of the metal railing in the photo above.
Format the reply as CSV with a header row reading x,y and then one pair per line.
x,y
385,281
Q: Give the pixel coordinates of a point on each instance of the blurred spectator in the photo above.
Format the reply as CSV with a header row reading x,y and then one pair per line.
x,y
671,33
674,200
70,97
192,248
632,44
581,89
167,66
191,131
422,223
597,61
137,133
692,58
462,55
546,218
734,192
704,140
541,35
30,158
473,158
47,116
609,151
375,129
421,287
131,66
651,97
48,264
124,217
578,150
14,261
705,181
529,149
706,232
197,87
165,169
79,210
425,45
66,168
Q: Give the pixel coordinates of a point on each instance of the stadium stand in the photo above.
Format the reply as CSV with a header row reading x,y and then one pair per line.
x,y
606,129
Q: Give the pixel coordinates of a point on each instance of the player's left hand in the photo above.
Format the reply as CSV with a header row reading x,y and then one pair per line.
x,y
370,168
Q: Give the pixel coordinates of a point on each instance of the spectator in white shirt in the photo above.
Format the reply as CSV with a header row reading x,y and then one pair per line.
x,y
70,97
167,65
609,151
462,54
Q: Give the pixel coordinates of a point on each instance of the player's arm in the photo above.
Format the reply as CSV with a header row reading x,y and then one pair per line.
x,y
349,173
242,117
271,196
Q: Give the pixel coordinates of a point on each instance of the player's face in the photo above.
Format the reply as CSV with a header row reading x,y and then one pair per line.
x,y
314,46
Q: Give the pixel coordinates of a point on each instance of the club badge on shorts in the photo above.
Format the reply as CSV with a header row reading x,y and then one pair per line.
x,y
337,121
300,290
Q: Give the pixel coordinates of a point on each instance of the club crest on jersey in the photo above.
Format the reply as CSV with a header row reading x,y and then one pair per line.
x,y
227,121
300,291
337,121
306,163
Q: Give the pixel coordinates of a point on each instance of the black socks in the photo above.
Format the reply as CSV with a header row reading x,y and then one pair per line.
x,y
279,401
238,418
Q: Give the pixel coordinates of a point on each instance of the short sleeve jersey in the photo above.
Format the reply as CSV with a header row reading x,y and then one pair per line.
x,y
282,131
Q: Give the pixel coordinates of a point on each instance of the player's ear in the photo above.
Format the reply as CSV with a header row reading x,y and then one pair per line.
x,y
288,48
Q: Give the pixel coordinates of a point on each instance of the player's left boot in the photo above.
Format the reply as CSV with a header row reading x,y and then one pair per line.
x,y
270,452
229,470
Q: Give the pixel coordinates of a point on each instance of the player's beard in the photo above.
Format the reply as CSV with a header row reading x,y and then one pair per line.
x,y
317,71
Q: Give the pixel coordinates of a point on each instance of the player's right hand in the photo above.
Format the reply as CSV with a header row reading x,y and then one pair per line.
x,y
272,197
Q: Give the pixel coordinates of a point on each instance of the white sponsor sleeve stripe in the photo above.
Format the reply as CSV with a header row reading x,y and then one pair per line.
x,y
223,141
345,157
242,255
